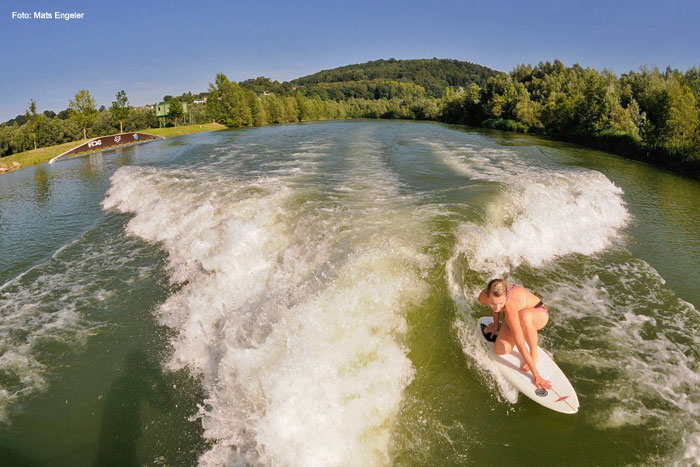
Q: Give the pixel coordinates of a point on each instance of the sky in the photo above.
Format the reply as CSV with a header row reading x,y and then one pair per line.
x,y
152,48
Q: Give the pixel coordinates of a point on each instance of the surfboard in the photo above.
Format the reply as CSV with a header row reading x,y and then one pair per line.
x,y
561,398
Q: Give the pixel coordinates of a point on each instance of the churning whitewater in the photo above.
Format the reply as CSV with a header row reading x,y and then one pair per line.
x,y
296,279
543,218
542,212
297,266
305,295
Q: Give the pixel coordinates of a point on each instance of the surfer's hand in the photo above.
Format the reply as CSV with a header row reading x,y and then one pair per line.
x,y
541,382
491,329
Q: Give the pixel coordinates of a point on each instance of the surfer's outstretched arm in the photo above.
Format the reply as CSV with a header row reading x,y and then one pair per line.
x,y
513,320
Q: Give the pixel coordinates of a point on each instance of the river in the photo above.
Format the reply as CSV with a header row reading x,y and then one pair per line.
x,y
305,295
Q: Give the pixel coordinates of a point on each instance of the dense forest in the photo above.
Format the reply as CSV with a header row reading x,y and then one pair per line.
x,y
435,75
648,114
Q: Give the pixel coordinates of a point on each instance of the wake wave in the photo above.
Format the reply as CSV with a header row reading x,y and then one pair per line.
x,y
541,213
293,304
544,217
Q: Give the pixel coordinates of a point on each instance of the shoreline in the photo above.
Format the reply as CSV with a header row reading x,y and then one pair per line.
x,y
42,155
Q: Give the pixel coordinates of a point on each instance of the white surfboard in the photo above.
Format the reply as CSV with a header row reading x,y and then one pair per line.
x,y
561,398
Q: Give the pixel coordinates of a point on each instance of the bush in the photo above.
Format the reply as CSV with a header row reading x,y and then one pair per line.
x,y
618,142
504,124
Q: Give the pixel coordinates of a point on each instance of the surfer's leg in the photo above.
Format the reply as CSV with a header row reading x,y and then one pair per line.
x,y
505,341
531,321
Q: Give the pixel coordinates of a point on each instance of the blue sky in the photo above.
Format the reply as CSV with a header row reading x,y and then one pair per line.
x,y
152,48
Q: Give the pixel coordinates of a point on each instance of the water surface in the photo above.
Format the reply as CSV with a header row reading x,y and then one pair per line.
x,y
305,295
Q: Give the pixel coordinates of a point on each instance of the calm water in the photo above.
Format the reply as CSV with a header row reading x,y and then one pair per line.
x,y
304,295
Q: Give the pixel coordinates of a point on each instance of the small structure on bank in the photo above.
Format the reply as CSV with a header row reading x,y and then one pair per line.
x,y
107,142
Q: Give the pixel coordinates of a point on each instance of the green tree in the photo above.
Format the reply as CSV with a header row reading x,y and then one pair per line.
x,y
227,103
304,107
647,88
256,108
592,109
291,109
83,110
57,131
20,139
214,107
141,118
501,95
175,110
274,109
692,79
5,139
681,129
528,113
120,109
103,124
34,121
198,113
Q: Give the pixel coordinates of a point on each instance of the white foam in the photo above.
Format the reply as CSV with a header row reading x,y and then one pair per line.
x,y
471,346
690,455
25,320
293,305
642,337
19,364
50,303
340,419
622,416
535,222
541,213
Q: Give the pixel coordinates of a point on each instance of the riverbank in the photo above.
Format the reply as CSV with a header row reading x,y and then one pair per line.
x,y
679,159
41,155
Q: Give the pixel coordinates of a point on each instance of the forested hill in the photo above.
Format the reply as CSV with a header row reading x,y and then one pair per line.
x,y
434,75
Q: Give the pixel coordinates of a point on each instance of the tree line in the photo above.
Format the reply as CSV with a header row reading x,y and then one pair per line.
x,y
82,119
237,105
648,114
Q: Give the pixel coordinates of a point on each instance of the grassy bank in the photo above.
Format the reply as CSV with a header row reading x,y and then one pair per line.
x,y
185,129
41,155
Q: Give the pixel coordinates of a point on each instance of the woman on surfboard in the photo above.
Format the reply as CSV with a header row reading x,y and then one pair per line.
x,y
525,314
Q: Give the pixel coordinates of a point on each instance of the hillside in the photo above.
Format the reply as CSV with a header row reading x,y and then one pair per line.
x,y
434,75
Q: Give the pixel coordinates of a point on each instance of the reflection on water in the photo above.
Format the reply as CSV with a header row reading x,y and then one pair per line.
x,y
43,185
124,156
94,166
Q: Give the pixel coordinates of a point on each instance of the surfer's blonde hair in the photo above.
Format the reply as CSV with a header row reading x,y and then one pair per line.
x,y
496,287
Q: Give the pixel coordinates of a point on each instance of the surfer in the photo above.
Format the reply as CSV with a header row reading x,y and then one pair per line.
x,y
525,314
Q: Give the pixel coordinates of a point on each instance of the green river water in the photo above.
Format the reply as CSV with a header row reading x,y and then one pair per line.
x,y
305,295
